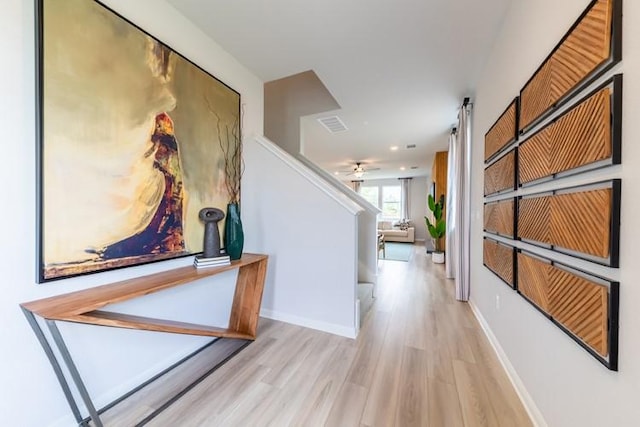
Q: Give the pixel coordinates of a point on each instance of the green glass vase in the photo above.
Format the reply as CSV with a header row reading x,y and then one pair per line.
x,y
233,233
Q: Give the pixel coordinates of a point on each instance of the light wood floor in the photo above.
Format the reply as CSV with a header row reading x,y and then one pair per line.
x,y
421,359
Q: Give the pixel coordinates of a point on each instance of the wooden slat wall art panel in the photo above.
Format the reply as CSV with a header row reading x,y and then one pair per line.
x,y
499,217
499,259
581,306
579,221
580,137
503,132
584,49
534,157
582,221
500,175
535,98
583,136
577,303
533,280
534,215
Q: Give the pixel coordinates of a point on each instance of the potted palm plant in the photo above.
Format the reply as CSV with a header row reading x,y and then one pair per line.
x,y
437,228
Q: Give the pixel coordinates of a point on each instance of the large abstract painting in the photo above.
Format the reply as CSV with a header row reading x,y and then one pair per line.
x,y
129,136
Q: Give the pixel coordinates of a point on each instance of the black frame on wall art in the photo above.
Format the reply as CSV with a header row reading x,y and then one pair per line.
x,y
614,226
613,303
494,163
129,143
514,263
513,222
615,56
614,84
515,103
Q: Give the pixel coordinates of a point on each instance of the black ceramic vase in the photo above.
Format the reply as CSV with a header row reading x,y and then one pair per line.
x,y
233,234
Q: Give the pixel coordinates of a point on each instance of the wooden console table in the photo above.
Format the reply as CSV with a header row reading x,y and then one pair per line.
x,y
85,307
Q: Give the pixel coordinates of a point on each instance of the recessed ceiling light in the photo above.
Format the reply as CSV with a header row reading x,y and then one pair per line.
x,y
402,168
336,173
394,148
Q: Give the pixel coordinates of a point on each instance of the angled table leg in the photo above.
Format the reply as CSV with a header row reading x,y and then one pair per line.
x,y
75,375
54,363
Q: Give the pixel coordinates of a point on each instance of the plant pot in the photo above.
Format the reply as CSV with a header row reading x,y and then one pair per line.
x,y
233,233
437,257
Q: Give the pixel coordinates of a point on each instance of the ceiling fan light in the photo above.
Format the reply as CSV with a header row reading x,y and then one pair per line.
x,y
358,174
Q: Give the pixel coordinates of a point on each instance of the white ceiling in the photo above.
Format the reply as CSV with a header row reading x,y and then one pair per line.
x,y
398,68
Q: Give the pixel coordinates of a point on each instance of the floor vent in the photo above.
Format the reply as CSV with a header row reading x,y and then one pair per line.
x,y
333,124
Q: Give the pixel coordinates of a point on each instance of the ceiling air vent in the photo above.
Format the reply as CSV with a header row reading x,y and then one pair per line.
x,y
414,167
333,124
411,146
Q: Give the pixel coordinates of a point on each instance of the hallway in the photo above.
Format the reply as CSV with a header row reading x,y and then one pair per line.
x,y
421,359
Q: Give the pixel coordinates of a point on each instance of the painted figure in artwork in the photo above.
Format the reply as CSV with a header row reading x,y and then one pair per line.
x,y
164,233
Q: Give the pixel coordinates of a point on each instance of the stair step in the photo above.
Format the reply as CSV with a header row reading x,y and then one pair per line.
x,y
365,295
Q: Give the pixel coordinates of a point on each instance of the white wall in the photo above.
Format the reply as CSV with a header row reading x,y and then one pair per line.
x,y
109,358
310,232
367,224
288,99
569,386
418,208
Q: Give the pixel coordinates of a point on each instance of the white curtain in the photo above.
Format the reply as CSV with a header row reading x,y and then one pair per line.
x,y
405,199
450,205
459,209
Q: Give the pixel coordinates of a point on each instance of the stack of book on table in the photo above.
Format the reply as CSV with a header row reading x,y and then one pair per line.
x,y
202,262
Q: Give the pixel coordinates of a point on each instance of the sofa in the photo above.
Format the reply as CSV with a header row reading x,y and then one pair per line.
x,y
393,233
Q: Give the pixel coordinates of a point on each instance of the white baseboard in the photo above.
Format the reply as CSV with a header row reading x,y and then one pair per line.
x,y
521,390
331,328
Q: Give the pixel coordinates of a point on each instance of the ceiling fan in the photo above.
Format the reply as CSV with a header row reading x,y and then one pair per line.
x,y
358,170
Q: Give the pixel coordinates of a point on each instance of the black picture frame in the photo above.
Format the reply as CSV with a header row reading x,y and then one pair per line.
x,y
186,164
